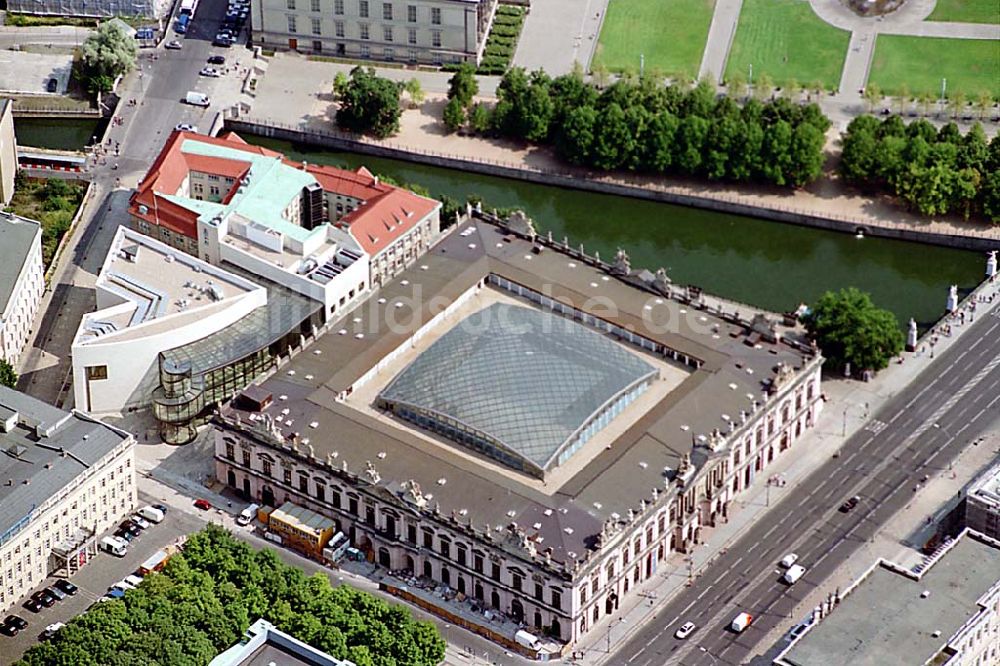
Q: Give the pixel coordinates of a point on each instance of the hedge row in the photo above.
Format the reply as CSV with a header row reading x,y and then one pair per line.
x,y
502,40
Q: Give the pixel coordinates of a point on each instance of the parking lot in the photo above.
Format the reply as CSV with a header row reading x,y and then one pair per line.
x,y
94,580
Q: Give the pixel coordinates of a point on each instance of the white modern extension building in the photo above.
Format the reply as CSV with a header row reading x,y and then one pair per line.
x,y
150,298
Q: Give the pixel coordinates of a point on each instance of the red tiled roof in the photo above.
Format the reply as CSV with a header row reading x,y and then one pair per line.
x,y
388,212
383,220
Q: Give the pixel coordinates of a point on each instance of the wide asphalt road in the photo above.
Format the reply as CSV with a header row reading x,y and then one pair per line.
x,y
918,432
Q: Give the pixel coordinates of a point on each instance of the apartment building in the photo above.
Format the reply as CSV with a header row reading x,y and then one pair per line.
x,y
22,283
67,478
432,32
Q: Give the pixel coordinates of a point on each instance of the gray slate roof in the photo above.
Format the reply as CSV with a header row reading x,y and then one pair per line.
x,y
33,468
527,378
16,237
886,620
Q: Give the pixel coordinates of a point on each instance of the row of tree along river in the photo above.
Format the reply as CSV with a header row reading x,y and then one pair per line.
x,y
768,264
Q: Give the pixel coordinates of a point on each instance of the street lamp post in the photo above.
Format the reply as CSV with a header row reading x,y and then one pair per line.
x,y
710,655
944,88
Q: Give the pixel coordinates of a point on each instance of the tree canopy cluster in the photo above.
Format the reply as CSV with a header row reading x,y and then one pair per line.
x,y
104,56
933,171
849,328
641,124
206,598
8,376
369,104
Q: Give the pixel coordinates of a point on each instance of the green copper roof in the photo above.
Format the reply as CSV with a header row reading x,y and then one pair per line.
x,y
272,185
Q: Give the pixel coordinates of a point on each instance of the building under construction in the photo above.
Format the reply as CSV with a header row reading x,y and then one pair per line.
x,y
95,8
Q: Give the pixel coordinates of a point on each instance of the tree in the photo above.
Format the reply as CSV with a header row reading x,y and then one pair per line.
x,y
415,92
817,88
850,329
792,90
764,87
454,114
340,82
924,100
370,104
8,377
575,137
599,75
736,84
613,142
902,98
990,194
983,104
805,155
463,84
479,118
105,55
872,95
956,104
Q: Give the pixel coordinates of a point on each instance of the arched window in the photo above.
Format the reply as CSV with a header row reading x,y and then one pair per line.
x,y
428,569
495,600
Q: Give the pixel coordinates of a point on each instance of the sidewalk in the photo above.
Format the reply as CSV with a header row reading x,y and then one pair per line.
x,y
848,406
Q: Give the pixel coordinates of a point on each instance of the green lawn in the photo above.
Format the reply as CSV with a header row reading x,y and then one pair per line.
x,y
669,33
966,11
787,41
970,65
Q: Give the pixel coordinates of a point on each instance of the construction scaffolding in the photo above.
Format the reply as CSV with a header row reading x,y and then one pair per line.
x,y
91,8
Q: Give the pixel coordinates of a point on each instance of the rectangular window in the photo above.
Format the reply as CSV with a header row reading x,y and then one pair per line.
x,y
436,16
515,581
267,468
411,36
445,548
428,540
303,483
338,28
292,27
462,555
477,563
387,34
411,13
230,451
366,51
316,27
495,575
388,54
290,4
386,11
320,492
314,5
352,505
436,37
413,55
364,33
97,372
363,8
411,533
338,7
288,477
539,591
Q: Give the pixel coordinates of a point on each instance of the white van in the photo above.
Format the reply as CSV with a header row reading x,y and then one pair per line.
x,y
197,98
794,573
151,514
247,515
114,545
741,622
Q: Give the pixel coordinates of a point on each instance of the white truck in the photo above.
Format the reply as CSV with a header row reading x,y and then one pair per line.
x,y
741,622
247,515
114,545
152,514
793,573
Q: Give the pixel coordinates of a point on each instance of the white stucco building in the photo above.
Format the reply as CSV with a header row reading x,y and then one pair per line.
x,y
22,283
70,479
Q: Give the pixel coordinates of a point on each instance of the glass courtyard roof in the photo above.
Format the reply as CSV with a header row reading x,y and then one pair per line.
x,y
526,380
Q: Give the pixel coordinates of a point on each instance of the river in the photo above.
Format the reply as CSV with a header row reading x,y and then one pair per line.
x,y
768,264
57,133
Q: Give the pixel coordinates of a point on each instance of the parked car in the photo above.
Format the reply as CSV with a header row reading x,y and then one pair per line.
x,y
849,504
16,622
124,534
8,629
794,573
210,72
217,60
174,44
685,630
202,504
52,85
44,598
139,520
66,586
51,630
115,593
797,631
163,507
223,40
789,560
130,527
186,127
33,605
56,592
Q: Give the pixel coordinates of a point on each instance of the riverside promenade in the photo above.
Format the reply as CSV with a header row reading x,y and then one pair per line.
x,y
294,99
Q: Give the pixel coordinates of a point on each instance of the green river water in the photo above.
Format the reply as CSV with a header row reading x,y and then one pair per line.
x,y
57,133
768,264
